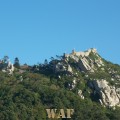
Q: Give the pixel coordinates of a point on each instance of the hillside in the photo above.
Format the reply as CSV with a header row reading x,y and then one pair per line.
x,y
83,81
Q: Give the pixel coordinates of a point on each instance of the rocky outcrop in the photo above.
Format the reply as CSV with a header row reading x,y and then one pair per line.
x,y
69,69
7,67
84,65
84,61
109,95
62,67
80,94
87,61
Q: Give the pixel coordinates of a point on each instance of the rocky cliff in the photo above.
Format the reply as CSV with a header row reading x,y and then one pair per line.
x,y
88,73
83,81
103,77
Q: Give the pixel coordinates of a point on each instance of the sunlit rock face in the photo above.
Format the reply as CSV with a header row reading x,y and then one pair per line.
x,y
7,67
87,61
109,95
62,67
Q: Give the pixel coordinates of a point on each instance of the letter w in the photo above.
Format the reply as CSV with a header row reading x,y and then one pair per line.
x,y
51,113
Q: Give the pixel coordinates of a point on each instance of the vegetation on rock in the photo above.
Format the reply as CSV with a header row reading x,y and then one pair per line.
x,y
30,90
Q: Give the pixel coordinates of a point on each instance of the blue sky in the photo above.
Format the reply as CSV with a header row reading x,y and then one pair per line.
x,y
34,30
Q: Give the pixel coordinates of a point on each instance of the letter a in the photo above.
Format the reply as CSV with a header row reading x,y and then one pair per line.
x,y
61,114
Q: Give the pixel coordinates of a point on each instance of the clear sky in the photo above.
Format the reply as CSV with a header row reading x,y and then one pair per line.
x,y
34,30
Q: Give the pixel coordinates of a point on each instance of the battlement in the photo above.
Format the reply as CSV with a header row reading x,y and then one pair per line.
x,y
85,53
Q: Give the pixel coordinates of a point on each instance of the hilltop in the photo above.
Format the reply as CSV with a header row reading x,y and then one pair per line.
x,y
83,81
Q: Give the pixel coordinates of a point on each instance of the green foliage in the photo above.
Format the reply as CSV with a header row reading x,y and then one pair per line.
x,y
16,63
27,100
41,88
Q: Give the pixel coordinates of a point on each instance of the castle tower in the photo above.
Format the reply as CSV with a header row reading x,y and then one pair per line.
x,y
73,52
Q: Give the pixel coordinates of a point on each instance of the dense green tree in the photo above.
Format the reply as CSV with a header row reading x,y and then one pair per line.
x,y
16,63
5,59
46,62
41,88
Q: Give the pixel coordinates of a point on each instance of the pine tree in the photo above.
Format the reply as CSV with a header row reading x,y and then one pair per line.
x,y
46,62
16,63
5,59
